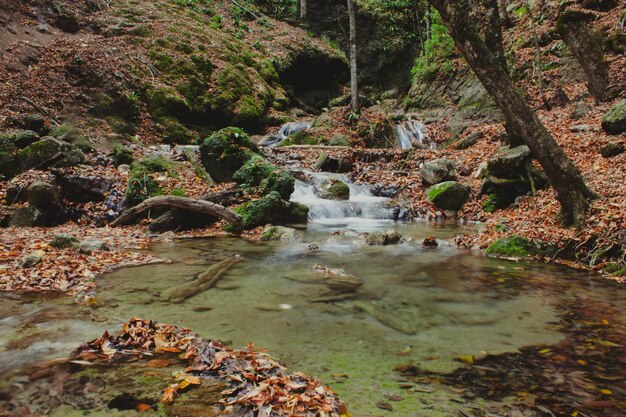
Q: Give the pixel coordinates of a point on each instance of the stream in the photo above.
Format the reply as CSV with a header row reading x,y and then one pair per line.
x,y
418,305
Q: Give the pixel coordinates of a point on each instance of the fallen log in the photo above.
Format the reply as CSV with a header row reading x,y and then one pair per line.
x,y
183,203
205,280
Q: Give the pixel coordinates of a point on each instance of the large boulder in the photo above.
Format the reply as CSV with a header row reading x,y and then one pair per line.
x,y
614,121
507,162
49,152
225,152
20,138
449,195
258,173
333,189
272,209
438,170
46,198
29,216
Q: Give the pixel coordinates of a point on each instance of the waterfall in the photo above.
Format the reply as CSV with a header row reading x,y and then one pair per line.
x,y
362,210
284,132
412,134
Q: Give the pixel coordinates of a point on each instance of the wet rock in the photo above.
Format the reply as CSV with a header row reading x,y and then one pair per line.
x,y
338,280
512,247
333,189
92,245
64,241
32,259
225,152
430,242
15,193
611,149
507,162
449,195
388,191
272,209
326,163
438,170
614,121
390,237
280,233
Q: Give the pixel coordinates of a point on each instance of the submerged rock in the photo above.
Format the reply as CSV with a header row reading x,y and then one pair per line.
x,y
449,195
437,171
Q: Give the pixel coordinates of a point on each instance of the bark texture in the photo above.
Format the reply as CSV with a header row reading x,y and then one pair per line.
x,y
571,190
184,203
354,86
587,50
493,31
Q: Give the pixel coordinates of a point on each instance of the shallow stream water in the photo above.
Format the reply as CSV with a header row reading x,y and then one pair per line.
x,y
418,305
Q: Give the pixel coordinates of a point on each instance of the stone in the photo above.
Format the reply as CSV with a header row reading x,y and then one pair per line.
x,y
258,173
614,121
438,170
20,138
69,132
333,189
92,245
272,209
280,233
612,149
390,237
580,128
33,259
64,241
581,110
43,195
507,162
27,217
449,195
326,163
511,247
50,152
225,152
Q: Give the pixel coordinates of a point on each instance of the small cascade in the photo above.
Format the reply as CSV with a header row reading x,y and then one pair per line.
x,y
412,134
363,208
284,132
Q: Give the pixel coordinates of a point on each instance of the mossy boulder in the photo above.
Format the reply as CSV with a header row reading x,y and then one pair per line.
x,y
303,137
333,189
449,195
614,121
272,209
35,123
225,152
265,177
173,131
50,152
611,149
508,162
141,181
64,241
69,132
19,138
122,155
512,247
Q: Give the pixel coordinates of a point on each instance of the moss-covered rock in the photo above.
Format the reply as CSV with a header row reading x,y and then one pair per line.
x,y
225,152
279,233
303,137
8,159
29,216
141,181
265,177
122,155
50,152
35,123
333,189
19,138
512,247
173,131
68,132
378,133
64,241
449,195
614,121
272,209
611,149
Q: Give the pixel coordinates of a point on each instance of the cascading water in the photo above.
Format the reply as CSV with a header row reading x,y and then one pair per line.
x,y
284,132
362,210
412,134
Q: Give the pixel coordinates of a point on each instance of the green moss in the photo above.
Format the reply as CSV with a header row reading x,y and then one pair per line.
x,y
225,152
8,156
19,138
141,182
303,138
174,131
44,151
141,30
178,192
513,247
122,155
271,209
617,269
491,204
266,177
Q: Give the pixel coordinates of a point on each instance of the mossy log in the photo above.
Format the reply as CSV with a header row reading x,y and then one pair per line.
x,y
205,280
184,203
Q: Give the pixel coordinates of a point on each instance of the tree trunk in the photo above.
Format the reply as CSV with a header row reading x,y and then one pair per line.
x,y
493,32
302,4
184,203
586,49
354,87
566,179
